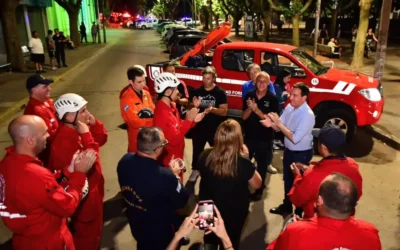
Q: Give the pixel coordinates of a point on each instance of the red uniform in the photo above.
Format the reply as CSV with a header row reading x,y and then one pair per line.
x,y
47,112
88,219
324,233
34,206
304,192
174,128
130,105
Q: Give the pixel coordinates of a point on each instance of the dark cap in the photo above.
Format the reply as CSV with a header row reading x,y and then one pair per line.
x,y
331,136
35,80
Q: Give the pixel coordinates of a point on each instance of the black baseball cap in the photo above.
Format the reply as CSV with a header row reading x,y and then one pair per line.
x,y
35,80
331,136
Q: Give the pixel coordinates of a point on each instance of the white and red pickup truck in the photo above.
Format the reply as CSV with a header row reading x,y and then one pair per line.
x,y
345,98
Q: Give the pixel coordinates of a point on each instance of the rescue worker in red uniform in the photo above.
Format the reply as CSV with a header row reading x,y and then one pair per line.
x,y
41,105
32,204
136,106
331,143
334,227
79,130
167,117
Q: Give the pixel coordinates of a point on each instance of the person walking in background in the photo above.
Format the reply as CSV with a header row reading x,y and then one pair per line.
x,y
82,30
94,31
37,52
59,41
369,42
51,48
226,174
354,31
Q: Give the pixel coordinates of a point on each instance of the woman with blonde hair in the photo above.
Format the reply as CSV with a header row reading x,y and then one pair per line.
x,y
226,174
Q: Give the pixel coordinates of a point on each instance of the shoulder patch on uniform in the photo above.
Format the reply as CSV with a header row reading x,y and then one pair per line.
x,y
126,107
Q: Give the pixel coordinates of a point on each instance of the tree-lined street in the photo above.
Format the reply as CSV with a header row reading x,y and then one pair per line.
x,y
100,79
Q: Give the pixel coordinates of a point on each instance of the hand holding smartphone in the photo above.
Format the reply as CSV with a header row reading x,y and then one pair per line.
x,y
206,214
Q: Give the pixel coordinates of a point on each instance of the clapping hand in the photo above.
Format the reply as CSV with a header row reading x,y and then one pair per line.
x,y
196,101
266,122
274,117
251,103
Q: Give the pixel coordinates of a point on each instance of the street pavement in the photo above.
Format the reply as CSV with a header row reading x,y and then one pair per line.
x,y
100,79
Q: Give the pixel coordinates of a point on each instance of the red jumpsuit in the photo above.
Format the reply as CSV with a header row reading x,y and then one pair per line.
x,y
323,233
174,128
47,112
34,206
304,192
130,105
88,219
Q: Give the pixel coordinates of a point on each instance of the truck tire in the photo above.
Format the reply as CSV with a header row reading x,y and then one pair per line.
x,y
342,118
143,27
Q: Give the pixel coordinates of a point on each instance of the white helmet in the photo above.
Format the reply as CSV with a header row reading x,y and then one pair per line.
x,y
69,103
165,80
142,68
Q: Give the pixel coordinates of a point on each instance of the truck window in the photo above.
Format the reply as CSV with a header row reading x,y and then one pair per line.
x,y
286,63
269,63
189,41
237,60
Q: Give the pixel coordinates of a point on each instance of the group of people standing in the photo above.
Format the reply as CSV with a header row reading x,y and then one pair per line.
x,y
95,29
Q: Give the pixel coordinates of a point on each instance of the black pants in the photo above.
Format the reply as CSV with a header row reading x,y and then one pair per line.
x,y
84,36
234,222
290,157
60,56
262,152
199,140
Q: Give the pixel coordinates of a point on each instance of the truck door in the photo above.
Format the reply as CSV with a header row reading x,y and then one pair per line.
x,y
232,75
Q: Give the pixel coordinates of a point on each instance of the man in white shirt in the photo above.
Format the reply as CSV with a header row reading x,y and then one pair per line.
x,y
296,123
37,52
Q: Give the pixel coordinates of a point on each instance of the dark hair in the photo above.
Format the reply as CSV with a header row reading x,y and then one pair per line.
x,y
49,32
33,32
281,75
339,193
148,139
305,91
133,72
56,30
166,65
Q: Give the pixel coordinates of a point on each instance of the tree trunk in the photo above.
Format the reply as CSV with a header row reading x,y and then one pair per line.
x,y
210,15
358,57
236,23
12,42
206,18
296,30
73,27
267,25
333,22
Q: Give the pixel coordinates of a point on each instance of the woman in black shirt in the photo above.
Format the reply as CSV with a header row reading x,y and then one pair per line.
x,y
226,174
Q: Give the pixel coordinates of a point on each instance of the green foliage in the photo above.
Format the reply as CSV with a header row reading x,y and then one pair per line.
x,y
159,9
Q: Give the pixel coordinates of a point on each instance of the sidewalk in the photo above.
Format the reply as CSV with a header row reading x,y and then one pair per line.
x,y
13,93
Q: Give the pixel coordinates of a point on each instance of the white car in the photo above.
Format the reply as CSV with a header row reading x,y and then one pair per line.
x,y
147,24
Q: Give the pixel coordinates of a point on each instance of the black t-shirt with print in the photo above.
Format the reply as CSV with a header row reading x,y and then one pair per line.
x,y
230,194
214,97
252,127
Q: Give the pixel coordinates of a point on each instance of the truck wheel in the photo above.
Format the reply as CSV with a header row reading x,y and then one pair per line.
x,y
341,118
143,27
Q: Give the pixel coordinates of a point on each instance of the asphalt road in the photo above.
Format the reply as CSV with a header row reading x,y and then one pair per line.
x,y
100,81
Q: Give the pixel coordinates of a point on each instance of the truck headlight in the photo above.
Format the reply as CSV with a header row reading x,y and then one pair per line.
x,y
371,94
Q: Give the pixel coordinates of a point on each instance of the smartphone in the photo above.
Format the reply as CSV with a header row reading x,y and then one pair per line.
x,y
205,211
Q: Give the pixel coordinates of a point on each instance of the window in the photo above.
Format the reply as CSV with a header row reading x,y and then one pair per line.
x,y
286,63
237,60
269,62
189,41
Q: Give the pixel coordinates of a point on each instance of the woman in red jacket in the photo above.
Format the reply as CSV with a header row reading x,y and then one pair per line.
x,y
167,117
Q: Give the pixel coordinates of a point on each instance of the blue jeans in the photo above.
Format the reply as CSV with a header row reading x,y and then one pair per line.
x,y
290,157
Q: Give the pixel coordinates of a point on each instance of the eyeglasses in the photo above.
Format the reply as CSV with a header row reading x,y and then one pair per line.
x,y
162,145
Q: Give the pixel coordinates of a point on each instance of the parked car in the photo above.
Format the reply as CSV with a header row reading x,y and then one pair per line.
x,y
341,97
161,25
169,26
183,32
147,24
173,30
183,44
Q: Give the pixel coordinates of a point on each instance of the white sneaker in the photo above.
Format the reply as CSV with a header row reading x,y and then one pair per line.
x,y
194,175
272,170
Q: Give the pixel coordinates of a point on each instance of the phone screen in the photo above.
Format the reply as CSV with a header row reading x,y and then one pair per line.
x,y
206,215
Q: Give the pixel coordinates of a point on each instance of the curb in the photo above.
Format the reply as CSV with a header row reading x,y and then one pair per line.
x,y
18,106
390,140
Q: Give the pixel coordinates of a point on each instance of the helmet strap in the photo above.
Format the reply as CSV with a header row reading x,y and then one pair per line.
x,y
75,119
169,97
